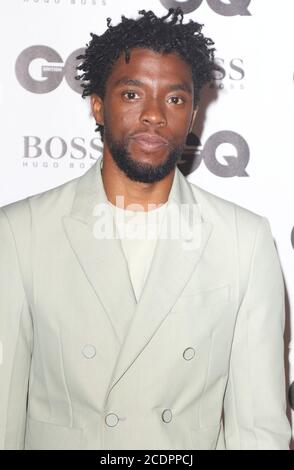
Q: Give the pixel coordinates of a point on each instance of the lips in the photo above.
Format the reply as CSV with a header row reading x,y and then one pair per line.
x,y
149,142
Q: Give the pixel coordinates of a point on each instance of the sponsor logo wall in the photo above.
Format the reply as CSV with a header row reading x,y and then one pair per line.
x,y
239,149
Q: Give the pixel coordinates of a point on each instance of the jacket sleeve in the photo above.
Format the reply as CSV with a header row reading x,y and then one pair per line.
x,y
255,397
16,336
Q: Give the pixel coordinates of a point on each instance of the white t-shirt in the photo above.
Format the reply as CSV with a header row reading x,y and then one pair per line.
x,y
138,232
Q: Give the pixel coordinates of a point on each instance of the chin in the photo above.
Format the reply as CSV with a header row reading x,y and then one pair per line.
x,y
149,158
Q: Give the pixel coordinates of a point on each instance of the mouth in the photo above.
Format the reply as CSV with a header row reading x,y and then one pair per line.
x,y
150,142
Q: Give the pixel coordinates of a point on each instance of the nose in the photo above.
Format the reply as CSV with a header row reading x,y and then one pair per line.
x,y
153,114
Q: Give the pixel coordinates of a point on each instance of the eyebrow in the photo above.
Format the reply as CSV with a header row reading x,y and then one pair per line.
x,y
130,81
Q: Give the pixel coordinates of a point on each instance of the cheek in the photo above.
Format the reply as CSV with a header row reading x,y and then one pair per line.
x,y
178,124
178,116
121,117
129,116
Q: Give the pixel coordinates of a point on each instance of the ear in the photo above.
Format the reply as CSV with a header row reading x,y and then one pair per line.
x,y
193,119
97,108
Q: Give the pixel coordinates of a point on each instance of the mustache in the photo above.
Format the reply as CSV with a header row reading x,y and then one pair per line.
x,y
151,138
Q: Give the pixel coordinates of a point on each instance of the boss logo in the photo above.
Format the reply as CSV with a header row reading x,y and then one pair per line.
x,y
232,71
57,148
224,8
228,145
49,69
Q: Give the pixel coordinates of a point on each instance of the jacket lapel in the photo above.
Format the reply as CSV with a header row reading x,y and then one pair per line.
x,y
105,266
102,260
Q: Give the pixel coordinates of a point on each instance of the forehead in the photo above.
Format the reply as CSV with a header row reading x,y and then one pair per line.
x,y
147,64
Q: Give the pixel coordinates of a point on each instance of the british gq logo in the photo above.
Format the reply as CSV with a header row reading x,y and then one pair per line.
x,y
40,69
224,8
228,145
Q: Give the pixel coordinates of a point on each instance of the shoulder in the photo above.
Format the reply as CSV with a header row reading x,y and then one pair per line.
x,y
58,197
216,208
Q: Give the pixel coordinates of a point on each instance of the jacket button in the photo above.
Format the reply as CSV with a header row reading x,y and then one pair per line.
x,y
189,353
166,415
111,419
89,351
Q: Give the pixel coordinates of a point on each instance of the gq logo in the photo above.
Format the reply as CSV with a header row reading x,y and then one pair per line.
x,y
49,73
224,8
213,149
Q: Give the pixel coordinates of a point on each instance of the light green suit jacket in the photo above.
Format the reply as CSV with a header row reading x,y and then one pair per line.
x,y
197,363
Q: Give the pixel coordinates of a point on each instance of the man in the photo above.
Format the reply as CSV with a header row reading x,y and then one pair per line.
x,y
168,341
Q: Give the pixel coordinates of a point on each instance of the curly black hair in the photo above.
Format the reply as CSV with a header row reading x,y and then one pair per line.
x,y
149,32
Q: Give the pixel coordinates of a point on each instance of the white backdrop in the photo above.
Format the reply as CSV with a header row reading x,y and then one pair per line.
x,y
244,137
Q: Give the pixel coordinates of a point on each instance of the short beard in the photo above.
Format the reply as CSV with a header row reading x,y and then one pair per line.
x,y
138,171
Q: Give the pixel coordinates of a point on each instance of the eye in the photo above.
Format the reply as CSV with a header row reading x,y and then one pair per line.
x,y
176,100
130,95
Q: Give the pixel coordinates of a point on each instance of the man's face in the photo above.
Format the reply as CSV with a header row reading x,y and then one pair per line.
x,y
147,112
